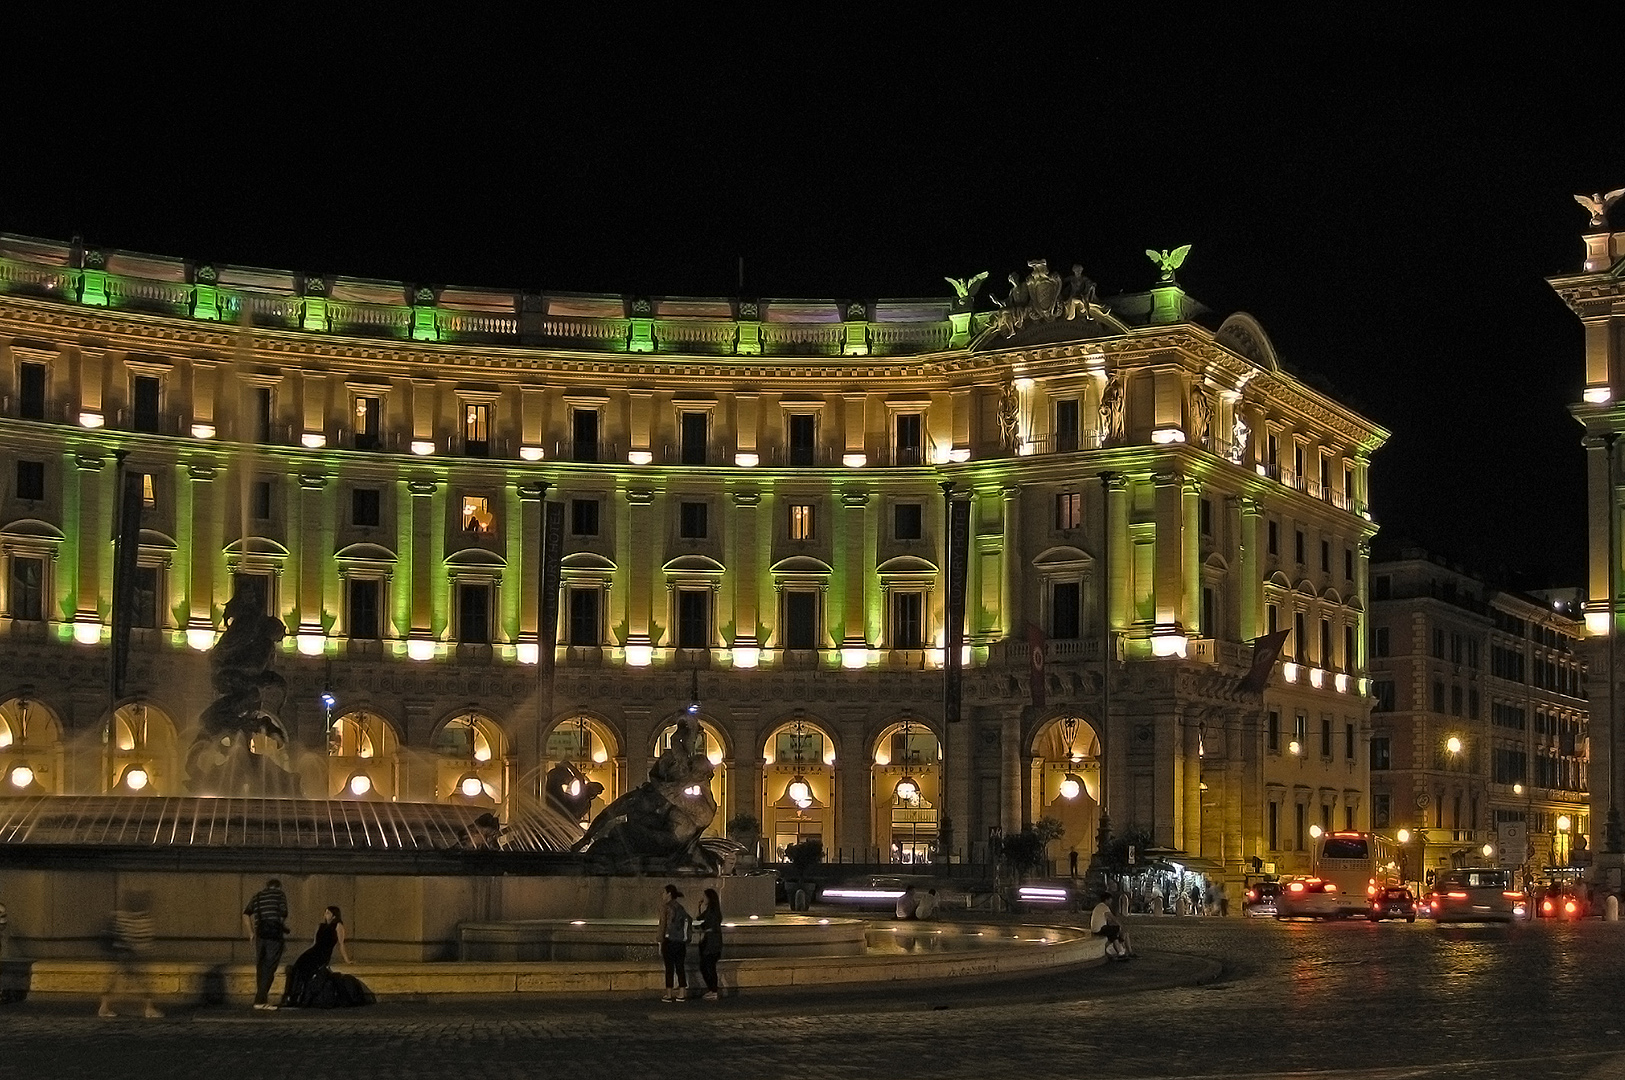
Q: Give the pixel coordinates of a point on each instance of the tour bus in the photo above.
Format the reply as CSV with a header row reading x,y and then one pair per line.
x,y
1359,864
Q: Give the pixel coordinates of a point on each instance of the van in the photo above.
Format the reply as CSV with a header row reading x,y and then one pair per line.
x,y
1478,894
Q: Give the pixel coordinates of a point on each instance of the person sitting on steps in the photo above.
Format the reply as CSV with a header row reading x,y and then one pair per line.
x,y
1103,923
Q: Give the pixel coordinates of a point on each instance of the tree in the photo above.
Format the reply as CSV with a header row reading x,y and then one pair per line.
x,y
1022,851
1047,829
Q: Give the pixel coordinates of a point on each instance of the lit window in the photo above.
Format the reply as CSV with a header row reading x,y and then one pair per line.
x,y
476,429
477,516
801,521
368,420
149,496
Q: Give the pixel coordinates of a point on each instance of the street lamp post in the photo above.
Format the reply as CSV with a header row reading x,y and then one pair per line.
x,y
1404,838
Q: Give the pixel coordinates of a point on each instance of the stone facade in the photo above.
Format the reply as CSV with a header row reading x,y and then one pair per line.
x,y
755,497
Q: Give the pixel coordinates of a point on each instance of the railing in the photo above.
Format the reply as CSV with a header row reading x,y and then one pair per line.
x,y
1060,444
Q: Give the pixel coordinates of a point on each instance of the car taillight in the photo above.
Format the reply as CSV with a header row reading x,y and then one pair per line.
x,y
1513,895
1252,894
1545,907
1371,889
1330,887
1456,895
1296,886
1569,908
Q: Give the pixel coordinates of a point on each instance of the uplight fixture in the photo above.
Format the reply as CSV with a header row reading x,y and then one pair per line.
x,y
747,460
203,431
313,440
854,461
422,447
640,457
420,649
1598,395
87,633
528,652
530,453
312,644
91,419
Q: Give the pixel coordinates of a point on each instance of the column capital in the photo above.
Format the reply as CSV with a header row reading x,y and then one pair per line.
x,y
640,497
88,462
1167,479
1113,481
747,498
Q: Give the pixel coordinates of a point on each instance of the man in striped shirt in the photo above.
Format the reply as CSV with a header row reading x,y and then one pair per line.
x,y
130,940
266,919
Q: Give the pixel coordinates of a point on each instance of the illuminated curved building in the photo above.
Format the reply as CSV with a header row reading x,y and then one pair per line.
x,y
754,499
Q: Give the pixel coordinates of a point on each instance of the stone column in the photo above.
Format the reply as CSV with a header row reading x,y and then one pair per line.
x,y
852,572
1010,615
95,528
1011,761
1249,586
1233,810
1115,575
1169,574
314,546
1191,553
1190,781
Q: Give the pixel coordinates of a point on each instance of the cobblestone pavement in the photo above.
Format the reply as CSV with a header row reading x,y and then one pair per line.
x,y
1208,998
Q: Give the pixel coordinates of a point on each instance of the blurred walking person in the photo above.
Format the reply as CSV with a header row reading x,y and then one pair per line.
x,y
130,939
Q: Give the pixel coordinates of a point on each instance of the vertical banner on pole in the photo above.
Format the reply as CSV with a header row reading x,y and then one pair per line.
x,y
547,628
954,637
126,551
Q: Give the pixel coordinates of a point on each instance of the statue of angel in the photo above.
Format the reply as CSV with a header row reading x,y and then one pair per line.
x,y
965,290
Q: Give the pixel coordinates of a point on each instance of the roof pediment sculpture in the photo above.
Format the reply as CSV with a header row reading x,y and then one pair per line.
x,y
1042,297
1168,261
1598,204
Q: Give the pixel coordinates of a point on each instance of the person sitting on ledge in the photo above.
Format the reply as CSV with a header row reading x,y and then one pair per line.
x,y
1103,923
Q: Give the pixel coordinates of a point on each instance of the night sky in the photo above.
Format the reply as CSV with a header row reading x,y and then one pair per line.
x,y
1385,193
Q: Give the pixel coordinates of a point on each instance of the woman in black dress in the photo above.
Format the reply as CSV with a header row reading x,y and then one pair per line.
x,y
310,983
709,921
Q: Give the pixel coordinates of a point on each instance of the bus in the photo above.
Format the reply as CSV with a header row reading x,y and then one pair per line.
x,y
1359,864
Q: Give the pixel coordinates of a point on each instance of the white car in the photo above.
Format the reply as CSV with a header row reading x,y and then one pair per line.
x,y
1309,898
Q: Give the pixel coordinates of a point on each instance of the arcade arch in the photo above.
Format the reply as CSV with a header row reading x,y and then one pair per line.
x,y
139,752
473,762
31,751
580,751
1065,782
363,760
798,785
906,791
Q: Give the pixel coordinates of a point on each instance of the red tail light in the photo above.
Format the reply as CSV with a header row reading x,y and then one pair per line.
x,y
1456,895
1296,886
1371,889
1252,894
1545,907
1569,907
1513,895
1330,887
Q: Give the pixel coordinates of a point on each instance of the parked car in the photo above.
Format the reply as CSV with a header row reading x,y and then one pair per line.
x,y
1393,902
1260,898
1309,898
1477,894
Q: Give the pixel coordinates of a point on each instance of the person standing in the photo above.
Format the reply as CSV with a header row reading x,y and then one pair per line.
x,y
710,921
1072,861
131,941
266,919
675,925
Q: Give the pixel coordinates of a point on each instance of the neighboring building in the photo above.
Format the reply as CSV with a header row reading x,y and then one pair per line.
x,y
1480,723
754,516
1597,295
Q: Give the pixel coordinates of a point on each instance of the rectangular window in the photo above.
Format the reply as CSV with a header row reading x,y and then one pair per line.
x,y
693,434
585,629
1066,425
27,588
1326,737
1204,517
1274,538
144,403
1348,742
584,434
1381,753
801,620
1066,611
1325,818
1210,611
1274,731
1300,635
1438,643
478,519
1379,641
1325,657
149,490
476,429
906,521
1455,648
1472,702
1348,563
693,618
1382,806
910,439
1275,826
1300,732
474,614
1297,840
691,523
1069,510
1438,696
260,500
369,423
1349,658
365,507
1325,556
363,621
31,480
1455,701
1272,618
584,517
250,584
1298,546
1383,691
908,620
801,521
1381,587
803,439
262,413
146,598
31,391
